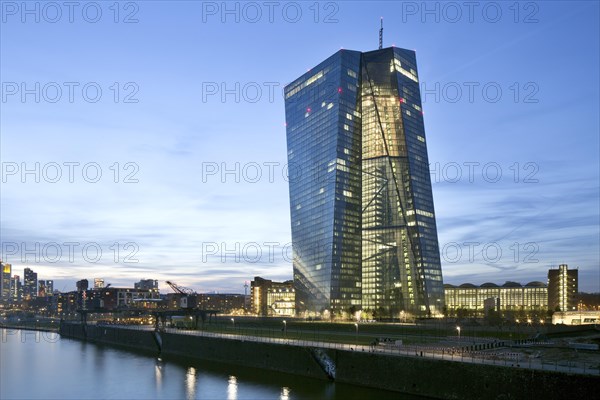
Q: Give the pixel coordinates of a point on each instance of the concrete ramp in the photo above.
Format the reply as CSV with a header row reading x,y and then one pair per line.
x,y
323,359
158,340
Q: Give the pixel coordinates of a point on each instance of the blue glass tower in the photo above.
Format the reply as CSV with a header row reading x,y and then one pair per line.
x,y
363,222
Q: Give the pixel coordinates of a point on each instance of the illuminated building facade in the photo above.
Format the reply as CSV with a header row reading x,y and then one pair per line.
x,y
223,302
30,284
576,317
562,288
128,297
16,289
5,276
45,288
363,225
146,284
511,296
269,298
282,301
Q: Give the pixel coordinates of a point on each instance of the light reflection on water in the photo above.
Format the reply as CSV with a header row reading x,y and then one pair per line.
x,y
190,383
71,369
232,388
158,375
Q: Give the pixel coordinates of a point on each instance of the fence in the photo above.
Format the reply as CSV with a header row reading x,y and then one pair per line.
x,y
507,359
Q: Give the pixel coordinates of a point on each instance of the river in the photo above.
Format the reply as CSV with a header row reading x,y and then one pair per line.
x,y
42,365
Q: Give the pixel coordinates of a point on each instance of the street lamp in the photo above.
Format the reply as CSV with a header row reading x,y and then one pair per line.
x,y
233,322
356,334
458,329
284,328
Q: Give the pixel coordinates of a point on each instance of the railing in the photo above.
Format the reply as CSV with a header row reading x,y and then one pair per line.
x,y
507,359
515,360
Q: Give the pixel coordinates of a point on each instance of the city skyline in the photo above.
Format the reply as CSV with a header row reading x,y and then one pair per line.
x,y
543,207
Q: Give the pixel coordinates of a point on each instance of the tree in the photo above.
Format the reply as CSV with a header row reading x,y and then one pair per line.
x,y
352,311
493,318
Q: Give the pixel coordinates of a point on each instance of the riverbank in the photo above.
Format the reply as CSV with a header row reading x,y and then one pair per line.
x,y
29,328
417,375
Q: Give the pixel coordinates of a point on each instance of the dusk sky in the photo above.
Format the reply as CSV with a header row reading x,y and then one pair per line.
x,y
188,134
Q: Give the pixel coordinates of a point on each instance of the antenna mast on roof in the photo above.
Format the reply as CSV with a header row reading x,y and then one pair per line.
x,y
381,35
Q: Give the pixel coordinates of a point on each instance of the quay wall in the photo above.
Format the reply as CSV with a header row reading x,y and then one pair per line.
x,y
460,380
271,356
433,378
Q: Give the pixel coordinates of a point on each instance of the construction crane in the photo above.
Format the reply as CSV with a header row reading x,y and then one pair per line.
x,y
188,296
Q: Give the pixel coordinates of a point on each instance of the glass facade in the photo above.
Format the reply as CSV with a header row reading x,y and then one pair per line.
x,y
363,222
324,152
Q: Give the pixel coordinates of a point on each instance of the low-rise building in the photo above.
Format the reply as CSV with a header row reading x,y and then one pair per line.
x,y
511,296
576,317
224,302
269,298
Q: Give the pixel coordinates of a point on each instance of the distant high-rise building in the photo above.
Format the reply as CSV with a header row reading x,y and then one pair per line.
x,y
30,284
146,284
82,285
16,289
363,224
41,288
49,287
45,288
5,275
98,283
562,288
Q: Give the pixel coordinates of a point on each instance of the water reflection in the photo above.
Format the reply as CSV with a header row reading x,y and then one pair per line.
x,y
232,388
69,369
190,383
158,374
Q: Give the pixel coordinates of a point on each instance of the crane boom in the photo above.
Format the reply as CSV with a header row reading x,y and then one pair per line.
x,y
180,289
188,298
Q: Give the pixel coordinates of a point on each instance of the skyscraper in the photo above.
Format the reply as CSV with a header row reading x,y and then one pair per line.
x,y
5,274
82,285
16,289
30,284
41,288
363,222
45,287
49,287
